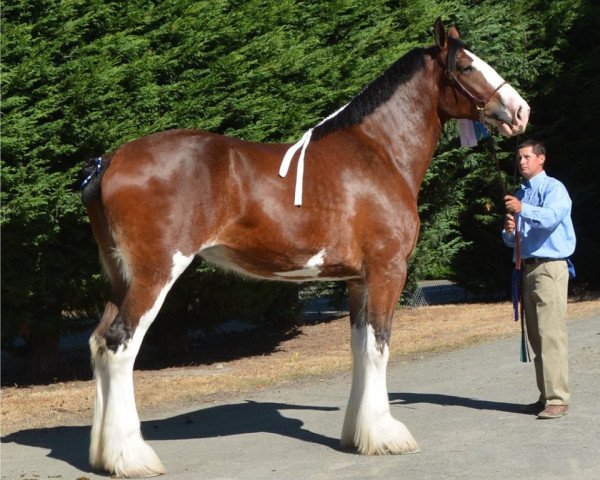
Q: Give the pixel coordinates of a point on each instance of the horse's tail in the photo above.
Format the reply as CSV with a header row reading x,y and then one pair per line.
x,y
93,171
107,244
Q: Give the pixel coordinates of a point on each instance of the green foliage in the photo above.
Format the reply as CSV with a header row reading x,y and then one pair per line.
x,y
532,51
567,112
46,253
79,78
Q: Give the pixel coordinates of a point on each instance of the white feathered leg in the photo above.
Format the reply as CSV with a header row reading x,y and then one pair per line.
x,y
101,376
116,442
368,423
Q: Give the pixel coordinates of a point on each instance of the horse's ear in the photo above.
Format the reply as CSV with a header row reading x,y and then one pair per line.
x,y
439,33
453,33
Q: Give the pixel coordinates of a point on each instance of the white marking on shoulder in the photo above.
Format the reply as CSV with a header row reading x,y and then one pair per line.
x,y
311,270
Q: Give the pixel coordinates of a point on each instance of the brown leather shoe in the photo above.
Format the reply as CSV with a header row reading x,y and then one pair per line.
x,y
554,411
536,407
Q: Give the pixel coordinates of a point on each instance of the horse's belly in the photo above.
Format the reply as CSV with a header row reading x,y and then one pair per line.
x,y
283,266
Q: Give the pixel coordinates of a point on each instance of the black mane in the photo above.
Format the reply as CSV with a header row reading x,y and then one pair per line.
x,y
376,93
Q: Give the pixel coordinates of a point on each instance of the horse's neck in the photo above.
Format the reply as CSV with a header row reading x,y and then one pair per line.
x,y
407,128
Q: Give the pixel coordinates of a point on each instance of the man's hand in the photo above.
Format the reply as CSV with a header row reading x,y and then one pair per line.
x,y
512,204
509,223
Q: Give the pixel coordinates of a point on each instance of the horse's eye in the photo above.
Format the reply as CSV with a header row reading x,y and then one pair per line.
x,y
467,69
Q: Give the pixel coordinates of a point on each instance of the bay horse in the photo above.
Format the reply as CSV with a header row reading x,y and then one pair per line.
x,y
158,201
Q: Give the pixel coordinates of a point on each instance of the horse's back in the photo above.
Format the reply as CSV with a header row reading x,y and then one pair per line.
x,y
182,165
181,187
177,155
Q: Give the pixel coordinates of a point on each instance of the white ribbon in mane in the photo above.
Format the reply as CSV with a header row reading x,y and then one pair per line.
x,y
301,144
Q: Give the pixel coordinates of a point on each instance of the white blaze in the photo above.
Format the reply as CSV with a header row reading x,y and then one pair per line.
x,y
515,108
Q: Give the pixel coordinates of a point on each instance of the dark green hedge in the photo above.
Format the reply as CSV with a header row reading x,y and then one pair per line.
x,y
81,77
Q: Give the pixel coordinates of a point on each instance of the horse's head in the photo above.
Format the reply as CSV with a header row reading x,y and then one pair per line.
x,y
473,89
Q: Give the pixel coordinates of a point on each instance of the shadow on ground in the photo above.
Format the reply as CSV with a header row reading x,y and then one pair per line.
x,y
449,400
69,444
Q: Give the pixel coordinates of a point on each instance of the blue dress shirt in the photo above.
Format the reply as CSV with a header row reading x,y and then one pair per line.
x,y
544,224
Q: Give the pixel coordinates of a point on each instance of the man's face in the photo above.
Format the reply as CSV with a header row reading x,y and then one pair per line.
x,y
530,164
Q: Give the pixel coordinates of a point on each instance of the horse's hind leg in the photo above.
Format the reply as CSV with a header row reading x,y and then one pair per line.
x,y
117,444
101,377
368,423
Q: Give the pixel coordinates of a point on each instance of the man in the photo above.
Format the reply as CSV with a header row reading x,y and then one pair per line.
x,y
541,212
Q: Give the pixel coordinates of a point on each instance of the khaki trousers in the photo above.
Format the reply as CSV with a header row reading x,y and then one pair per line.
x,y
545,287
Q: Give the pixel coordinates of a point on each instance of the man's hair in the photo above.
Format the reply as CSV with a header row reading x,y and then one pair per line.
x,y
537,146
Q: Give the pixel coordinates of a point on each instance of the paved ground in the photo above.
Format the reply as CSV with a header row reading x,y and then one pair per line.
x,y
463,408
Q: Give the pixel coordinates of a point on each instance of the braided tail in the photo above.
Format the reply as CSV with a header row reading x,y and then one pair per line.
x,y
93,171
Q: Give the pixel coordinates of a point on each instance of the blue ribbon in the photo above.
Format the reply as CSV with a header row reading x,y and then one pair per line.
x,y
571,268
481,130
519,313
516,292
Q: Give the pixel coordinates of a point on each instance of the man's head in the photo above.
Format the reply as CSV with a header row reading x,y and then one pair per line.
x,y
531,157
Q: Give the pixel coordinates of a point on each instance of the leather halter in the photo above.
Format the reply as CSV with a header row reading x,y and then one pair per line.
x,y
480,102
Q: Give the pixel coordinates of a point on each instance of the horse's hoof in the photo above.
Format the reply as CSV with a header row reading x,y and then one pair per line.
x,y
388,437
140,461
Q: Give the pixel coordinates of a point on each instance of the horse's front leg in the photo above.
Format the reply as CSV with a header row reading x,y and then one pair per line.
x,y
368,425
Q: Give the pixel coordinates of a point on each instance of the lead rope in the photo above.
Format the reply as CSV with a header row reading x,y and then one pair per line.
x,y
517,276
525,355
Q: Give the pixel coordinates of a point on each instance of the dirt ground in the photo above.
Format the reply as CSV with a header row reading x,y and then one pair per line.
x,y
311,351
